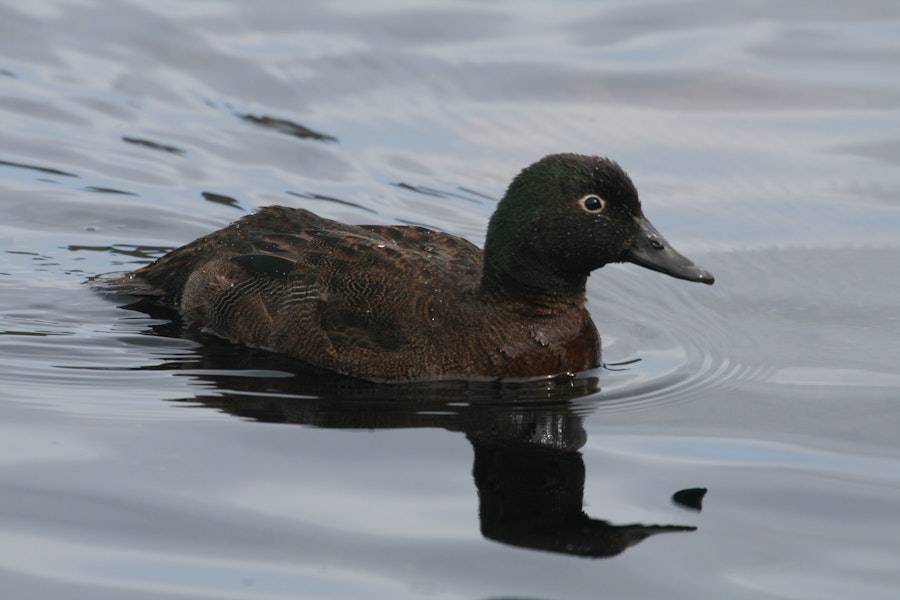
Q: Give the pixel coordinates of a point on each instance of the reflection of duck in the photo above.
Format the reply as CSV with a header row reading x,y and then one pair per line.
x,y
532,497
526,437
406,303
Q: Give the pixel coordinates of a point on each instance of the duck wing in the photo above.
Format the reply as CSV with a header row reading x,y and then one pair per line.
x,y
326,292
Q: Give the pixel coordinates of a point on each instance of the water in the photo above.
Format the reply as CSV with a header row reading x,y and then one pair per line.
x,y
141,460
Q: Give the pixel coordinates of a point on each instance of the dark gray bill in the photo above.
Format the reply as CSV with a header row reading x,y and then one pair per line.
x,y
651,250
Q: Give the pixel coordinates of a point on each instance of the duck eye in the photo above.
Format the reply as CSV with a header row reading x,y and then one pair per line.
x,y
592,204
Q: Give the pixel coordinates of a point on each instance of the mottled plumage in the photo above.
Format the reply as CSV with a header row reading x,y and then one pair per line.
x,y
405,303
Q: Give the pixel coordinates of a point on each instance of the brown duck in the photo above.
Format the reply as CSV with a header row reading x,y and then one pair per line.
x,y
396,303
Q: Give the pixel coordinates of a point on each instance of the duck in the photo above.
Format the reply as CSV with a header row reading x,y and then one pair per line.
x,y
395,303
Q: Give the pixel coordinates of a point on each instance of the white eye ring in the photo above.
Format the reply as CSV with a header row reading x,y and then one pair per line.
x,y
592,204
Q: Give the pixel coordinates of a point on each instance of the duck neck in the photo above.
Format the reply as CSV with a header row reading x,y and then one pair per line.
x,y
541,294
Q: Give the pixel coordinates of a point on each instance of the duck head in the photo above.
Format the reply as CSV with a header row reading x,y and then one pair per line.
x,y
565,216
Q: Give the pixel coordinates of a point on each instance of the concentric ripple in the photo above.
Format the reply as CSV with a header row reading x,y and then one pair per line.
x,y
680,359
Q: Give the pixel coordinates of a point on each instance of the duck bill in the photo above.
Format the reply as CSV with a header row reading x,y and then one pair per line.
x,y
651,250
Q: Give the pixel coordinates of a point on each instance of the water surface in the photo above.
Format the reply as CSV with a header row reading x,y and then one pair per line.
x,y
143,460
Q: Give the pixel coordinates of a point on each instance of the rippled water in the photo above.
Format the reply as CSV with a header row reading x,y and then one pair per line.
x,y
143,460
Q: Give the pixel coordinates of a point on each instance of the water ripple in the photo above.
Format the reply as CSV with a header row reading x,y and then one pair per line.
x,y
683,348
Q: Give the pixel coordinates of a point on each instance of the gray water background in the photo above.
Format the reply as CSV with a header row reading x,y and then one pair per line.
x,y
141,461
